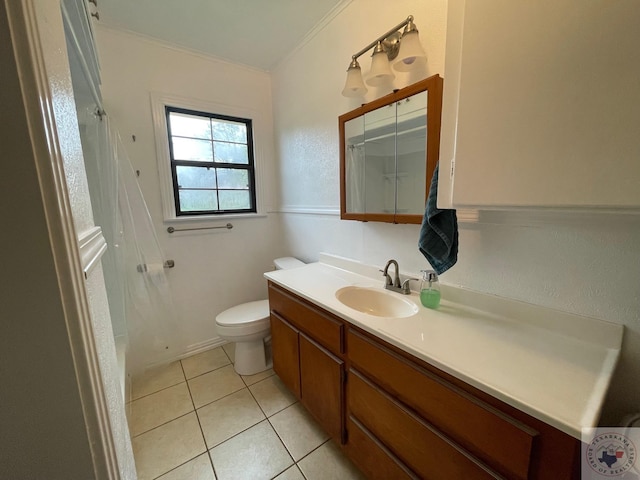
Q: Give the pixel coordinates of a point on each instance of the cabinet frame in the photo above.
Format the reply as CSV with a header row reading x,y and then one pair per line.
x,y
554,454
549,452
433,85
308,346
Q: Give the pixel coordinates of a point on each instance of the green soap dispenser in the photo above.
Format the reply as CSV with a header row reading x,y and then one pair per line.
x,y
430,289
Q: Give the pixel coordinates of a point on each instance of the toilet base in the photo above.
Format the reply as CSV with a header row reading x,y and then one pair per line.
x,y
251,358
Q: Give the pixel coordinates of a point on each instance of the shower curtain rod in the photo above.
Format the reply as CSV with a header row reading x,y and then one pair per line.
x,y
95,94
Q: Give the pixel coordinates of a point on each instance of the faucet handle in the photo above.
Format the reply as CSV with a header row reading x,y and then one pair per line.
x,y
406,288
388,280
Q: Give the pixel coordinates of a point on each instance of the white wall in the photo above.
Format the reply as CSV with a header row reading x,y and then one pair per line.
x,y
214,269
36,359
582,263
57,375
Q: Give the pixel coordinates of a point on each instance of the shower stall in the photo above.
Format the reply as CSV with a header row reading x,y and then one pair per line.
x,y
138,292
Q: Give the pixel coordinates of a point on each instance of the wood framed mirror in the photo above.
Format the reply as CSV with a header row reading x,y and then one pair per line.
x,y
388,151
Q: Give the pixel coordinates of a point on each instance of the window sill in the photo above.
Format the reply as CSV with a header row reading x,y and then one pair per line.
x,y
213,219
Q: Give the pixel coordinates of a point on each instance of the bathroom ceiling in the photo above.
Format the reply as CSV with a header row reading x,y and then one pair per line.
x,y
258,33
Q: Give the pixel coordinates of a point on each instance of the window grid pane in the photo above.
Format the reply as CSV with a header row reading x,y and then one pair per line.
x,y
192,149
198,200
198,141
230,153
195,177
234,199
229,131
191,126
232,178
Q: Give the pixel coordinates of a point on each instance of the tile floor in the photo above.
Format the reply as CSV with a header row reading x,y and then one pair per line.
x,y
196,419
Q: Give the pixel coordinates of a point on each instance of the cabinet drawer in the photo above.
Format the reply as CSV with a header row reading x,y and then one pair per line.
x,y
373,458
465,419
319,325
421,447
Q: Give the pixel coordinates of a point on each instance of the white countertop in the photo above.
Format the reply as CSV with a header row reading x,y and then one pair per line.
x,y
553,365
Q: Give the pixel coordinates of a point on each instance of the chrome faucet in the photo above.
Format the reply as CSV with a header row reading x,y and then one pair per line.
x,y
396,280
395,284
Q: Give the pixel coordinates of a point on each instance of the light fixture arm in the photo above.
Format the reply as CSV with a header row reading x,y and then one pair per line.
x,y
384,36
401,46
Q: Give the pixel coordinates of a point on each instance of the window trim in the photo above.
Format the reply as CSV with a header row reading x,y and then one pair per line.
x,y
159,101
249,167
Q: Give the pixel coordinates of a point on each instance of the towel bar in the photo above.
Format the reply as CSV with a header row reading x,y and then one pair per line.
x,y
228,226
142,267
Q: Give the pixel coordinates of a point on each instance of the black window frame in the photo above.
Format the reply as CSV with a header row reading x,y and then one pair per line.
x,y
249,167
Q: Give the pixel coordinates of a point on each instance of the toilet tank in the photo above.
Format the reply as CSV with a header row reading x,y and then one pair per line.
x,y
285,263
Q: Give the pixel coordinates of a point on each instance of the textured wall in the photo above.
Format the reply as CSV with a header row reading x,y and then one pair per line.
x,y
576,262
307,86
41,397
214,269
36,362
59,78
106,352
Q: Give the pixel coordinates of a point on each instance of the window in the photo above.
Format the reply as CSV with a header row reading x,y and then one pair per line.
x,y
212,163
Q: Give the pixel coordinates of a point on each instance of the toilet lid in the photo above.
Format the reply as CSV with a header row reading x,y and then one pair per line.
x,y
245,314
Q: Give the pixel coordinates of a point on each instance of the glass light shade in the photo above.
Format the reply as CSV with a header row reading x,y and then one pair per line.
x,y
411,53
354,86
380,69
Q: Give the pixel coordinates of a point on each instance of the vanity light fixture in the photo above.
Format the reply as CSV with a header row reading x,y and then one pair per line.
x,y
403,48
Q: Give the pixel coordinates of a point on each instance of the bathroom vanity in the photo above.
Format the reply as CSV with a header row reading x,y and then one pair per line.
x,y
500,390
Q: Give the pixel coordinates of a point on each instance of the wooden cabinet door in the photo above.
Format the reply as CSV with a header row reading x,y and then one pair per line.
x,y
286,357
321,376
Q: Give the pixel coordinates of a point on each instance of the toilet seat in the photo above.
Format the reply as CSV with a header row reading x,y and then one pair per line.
x,y
248,326
245,319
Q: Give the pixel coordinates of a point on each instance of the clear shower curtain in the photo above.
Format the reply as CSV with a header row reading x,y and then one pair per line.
x,y
137,287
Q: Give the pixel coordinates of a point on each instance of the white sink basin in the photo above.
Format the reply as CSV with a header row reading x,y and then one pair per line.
x,y
376,302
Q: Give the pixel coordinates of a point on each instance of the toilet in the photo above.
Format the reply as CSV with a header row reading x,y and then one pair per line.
x,y
247,325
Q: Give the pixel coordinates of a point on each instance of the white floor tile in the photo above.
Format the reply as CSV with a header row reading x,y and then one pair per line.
x,y
329,463
291,473
251,379
272,395
197,469
158,408
299,432
255,454
156,379
204,362
168,438
229,416
214,385
168,446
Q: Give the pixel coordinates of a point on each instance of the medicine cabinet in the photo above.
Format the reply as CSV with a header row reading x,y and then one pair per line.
x,y
388,152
